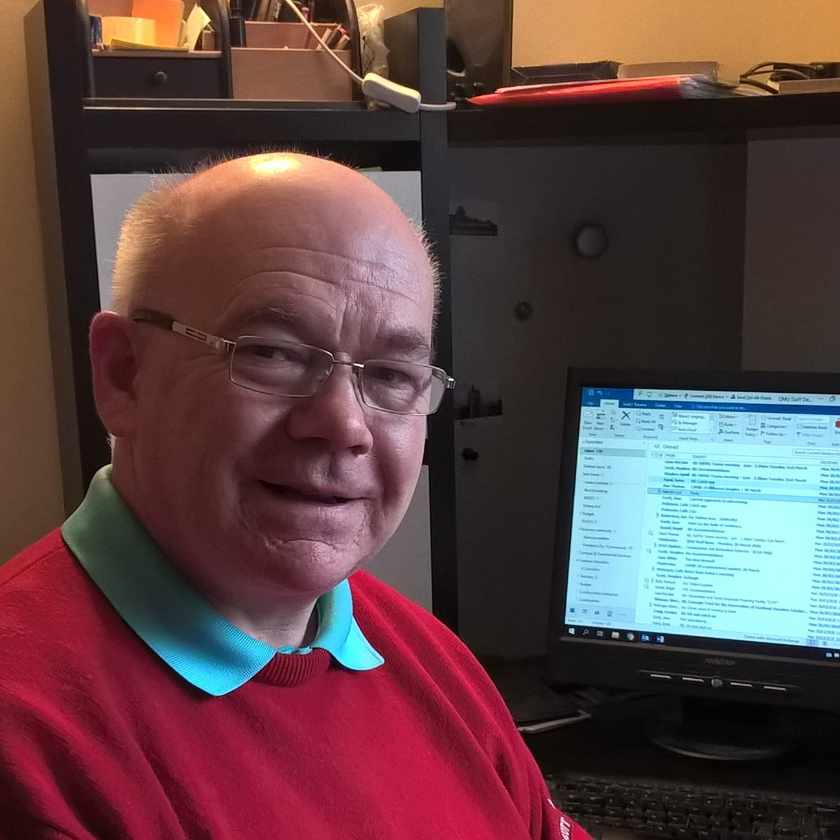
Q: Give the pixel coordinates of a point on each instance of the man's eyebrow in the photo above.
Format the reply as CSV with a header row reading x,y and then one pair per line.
x,y
403,341
266,314
408,341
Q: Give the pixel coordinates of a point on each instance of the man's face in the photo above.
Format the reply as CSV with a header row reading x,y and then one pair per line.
x,y
292,493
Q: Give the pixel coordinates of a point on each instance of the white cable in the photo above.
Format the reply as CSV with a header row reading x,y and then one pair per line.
x,y
374,86
448,106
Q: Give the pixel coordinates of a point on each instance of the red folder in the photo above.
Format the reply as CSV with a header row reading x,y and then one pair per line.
x,y
609,90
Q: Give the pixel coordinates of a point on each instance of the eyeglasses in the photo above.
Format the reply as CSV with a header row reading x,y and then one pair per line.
x,y
288,369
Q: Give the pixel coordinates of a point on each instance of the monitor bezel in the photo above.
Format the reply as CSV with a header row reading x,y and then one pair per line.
x,y
622,665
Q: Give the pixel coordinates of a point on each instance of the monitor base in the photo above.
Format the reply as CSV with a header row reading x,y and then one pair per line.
x,y
721,731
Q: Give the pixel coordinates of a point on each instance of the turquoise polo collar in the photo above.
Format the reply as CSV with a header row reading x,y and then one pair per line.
x,y
175,621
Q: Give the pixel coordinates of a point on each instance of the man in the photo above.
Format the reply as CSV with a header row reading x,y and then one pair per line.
x,y
185,658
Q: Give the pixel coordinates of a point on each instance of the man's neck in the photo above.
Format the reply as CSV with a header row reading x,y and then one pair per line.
x,y
281,628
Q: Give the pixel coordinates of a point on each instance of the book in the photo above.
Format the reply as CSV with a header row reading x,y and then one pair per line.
x,y
646,69
654,88
807,85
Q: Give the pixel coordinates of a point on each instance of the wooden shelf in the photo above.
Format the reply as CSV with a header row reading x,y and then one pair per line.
x,y
731,119
221,122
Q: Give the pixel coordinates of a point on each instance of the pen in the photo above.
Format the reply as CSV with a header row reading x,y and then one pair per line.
x,y
325,37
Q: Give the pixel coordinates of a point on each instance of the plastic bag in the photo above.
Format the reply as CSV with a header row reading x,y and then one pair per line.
x,y
372,29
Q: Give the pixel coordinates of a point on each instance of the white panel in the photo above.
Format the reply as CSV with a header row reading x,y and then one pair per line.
x,y
404,188
405,562
113,195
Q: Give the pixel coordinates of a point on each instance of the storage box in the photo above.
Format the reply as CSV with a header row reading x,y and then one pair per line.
x,y
260,33
289,75
280,63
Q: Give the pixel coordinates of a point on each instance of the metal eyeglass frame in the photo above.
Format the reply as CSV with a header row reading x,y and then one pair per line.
x,y
224,345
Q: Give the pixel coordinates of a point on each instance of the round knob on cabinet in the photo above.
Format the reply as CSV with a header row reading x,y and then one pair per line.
x,y
523,310
469,454
591,241
159,78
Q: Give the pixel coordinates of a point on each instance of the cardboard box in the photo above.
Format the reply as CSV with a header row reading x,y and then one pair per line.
x,y
289,75
260,33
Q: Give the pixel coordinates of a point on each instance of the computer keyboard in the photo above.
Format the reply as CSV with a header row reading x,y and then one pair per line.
x,y
685,812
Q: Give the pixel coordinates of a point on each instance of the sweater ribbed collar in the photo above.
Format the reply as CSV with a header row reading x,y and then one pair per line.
x,y
179,625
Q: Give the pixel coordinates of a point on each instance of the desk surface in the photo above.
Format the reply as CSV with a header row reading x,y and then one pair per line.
x,y
615,743
619,747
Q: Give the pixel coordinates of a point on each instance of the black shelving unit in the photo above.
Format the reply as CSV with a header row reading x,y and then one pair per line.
x,y
215,122
733,119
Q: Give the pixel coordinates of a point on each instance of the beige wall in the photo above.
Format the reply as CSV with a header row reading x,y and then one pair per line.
x,y
30,494
738,33
394,7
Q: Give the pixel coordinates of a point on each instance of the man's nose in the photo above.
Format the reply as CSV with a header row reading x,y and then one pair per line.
x,y
334,414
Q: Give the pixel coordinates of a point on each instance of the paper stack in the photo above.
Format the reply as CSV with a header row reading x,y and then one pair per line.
x,y
155,25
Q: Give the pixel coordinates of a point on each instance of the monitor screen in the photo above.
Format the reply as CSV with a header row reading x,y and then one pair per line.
x,y
699,533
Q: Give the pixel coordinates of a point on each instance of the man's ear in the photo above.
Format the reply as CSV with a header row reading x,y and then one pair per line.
x,y
113,355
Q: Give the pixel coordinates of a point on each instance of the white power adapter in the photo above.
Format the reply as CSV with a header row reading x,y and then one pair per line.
x,y
375,86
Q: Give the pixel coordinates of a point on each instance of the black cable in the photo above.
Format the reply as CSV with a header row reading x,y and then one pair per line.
x,y
808,69
779,74
761,85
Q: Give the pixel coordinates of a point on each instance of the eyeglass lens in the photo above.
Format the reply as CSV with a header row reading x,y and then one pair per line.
x,y
295,370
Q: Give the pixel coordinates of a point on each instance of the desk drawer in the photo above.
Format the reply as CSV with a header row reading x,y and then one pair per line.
x,y
147,76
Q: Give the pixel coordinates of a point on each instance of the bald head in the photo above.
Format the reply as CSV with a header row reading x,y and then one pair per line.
x,y
179,229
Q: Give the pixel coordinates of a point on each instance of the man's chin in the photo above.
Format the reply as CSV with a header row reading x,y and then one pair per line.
x,y
307,565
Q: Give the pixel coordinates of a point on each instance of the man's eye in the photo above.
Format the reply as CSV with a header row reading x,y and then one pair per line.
x,y
396,378
273,353
265,351
391,376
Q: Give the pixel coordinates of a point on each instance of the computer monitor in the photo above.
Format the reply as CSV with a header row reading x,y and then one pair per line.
x,y
698,546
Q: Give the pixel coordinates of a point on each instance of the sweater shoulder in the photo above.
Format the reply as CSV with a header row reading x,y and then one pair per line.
x,y
406,633
43,584
52,617
27,565
377,603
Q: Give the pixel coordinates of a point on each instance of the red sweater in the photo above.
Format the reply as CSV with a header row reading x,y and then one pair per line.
x,y
100,738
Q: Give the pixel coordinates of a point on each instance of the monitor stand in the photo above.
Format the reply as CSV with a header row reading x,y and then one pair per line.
x,y
725,731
